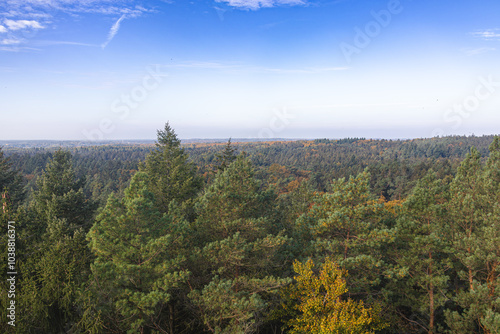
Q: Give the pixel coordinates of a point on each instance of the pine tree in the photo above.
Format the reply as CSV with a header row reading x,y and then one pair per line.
x,y
60,194
236,253
475,233
291,206
58,270
234,194
172,176
353,227
466,209
226,157
358,232
136,265
53,253
492,173
11,183
422,235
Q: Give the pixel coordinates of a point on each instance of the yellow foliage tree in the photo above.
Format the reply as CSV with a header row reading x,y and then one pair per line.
x,y
316,303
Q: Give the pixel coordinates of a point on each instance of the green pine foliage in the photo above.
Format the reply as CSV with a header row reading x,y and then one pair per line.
x,y
423,253
51,251
173,177
11,182
135,268
237,255
355,230
60,194
475,233
226,157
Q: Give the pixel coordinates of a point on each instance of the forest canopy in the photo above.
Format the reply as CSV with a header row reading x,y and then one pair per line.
x,y
311,236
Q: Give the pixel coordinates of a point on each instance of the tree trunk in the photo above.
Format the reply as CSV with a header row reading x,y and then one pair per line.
x,y
431,310
431,299
171,318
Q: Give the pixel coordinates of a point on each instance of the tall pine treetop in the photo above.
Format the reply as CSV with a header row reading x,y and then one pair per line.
x,y
226,157
58,177
172,176
10,180
167,137
60,193
492,171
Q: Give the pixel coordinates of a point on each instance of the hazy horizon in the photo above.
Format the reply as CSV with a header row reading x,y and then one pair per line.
x,y
233,139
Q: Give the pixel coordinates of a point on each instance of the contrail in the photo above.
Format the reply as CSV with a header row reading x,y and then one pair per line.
x,y
113,31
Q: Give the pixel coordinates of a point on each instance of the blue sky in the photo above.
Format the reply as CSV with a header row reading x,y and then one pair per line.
x,y
120,69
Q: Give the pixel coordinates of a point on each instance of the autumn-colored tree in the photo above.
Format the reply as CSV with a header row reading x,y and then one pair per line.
x,y
317,303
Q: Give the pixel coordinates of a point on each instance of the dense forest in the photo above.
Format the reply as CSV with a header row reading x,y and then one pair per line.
x,y
308,236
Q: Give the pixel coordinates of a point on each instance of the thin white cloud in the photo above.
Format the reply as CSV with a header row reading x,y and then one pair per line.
x,y
257,4
220,12
26,14
39,8
49,43
476,51
113,31
487,34
34,15
17,49
22,24
10,41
